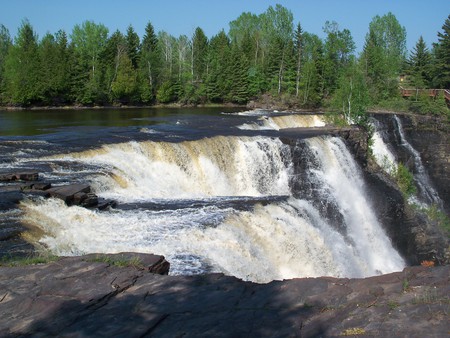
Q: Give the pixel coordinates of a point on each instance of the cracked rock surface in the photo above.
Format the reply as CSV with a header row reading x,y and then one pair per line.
x,y
90,297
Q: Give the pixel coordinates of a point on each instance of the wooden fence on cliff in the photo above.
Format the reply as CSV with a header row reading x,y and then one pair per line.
x,y
429,92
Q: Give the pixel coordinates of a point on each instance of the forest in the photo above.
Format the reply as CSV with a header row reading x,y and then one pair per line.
x,y
267,54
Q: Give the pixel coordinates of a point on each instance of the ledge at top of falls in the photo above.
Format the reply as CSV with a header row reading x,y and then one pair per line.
x,y
85,296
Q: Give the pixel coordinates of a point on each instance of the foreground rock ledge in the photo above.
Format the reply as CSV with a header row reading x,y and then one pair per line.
x,y
91,296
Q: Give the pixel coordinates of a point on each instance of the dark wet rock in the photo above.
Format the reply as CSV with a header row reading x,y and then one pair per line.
x,y
91,296
9,199
41,186
430,136
67,192
19,176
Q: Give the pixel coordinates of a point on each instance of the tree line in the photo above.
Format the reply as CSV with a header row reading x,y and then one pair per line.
x,y
261,54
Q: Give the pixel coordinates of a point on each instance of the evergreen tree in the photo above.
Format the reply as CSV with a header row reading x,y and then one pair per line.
x,y
419,64
48,59
149,64
124,85
239,77
22,68
442,66
133,46
199,55
5,44
218,60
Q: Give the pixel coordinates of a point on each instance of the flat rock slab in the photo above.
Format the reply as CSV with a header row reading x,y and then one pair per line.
x,y
67,192
94,297
22,176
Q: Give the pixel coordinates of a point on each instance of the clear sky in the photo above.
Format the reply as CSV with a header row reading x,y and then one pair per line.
x,y
419,17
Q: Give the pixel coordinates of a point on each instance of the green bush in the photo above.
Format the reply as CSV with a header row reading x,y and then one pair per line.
x,y
405,180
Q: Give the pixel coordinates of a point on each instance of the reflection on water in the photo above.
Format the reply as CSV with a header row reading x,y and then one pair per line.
x,y
36,122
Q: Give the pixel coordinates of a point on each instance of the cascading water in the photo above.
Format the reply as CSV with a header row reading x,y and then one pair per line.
x,y
427,193
240,215
384,156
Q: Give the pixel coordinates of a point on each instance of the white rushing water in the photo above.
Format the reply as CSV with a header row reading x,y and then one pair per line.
x,y
384,156
286,121
427,191
270,241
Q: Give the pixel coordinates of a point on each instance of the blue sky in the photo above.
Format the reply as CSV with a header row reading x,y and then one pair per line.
x,y
420,17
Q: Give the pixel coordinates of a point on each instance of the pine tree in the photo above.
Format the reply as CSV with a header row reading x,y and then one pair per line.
x,y
133,46
218,60
5,43
124,85
22,68
149,64
419,64
239,77
199,55
442,66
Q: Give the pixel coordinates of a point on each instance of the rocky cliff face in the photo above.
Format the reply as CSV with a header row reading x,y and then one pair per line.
x,y
430,136
87,297
414,235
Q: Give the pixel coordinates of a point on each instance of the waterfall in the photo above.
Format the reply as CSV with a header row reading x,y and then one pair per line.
x,y
384,155
427,193
265,241
218,166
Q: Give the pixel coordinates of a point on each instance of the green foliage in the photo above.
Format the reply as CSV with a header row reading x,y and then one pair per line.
x,y
166,93
352,96
442,52
124,86
22,68
262,54
43,258
424,104
383,55
419,65
436,215
119,261
405,180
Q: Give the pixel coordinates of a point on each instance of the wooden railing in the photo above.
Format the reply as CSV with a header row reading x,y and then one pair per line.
x,y
430,92
416,92
447,95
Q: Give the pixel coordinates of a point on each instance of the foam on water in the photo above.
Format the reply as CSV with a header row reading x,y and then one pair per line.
x,y
219,166
278,240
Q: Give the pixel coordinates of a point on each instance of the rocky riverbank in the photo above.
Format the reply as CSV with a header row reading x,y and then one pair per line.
x,y
128,295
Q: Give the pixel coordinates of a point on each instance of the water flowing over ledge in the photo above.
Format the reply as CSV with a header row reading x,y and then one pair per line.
x,y
275,240
257,204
